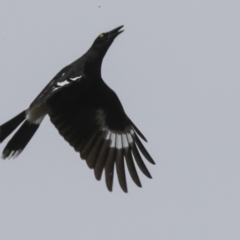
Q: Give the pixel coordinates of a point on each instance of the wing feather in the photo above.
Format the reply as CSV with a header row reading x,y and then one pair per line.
x,y
85,128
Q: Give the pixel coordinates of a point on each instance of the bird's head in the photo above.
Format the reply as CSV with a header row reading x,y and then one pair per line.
x,y
104,40
97,51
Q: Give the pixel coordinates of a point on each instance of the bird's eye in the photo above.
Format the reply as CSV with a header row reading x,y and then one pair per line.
x,y
101,35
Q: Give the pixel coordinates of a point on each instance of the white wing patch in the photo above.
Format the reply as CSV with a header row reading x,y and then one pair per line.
x,y
124,141
118,139
118,144
129,137
76,78
65,82
113,141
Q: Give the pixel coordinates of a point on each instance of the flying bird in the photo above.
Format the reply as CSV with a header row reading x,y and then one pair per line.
x,y
88,115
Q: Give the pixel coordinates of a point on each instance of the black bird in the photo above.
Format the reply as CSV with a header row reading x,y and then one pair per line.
x,y
88,114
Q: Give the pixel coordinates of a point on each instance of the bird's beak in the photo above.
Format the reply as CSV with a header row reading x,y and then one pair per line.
x,y
115,32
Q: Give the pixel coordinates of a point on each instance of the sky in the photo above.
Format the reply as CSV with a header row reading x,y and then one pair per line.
x,y
176,70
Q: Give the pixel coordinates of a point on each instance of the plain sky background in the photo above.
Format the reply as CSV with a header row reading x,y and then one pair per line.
x,y
176,71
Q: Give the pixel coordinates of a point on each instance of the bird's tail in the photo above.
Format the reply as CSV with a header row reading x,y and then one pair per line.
x,y
21,138
7,128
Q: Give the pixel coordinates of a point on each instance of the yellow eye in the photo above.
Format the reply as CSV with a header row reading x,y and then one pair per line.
x,y
101,35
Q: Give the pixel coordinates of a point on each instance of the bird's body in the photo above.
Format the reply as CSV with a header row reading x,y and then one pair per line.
x,y
88,114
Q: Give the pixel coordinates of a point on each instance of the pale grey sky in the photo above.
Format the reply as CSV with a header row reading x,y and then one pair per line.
x,y
176,71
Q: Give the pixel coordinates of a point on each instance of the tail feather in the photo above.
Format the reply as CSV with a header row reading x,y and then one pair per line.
x,y
7,128
20,140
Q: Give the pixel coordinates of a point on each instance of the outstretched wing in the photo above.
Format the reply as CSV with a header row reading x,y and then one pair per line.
x,y
103,148
64,78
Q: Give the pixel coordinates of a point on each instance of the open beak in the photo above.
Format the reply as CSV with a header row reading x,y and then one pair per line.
x,y
115,32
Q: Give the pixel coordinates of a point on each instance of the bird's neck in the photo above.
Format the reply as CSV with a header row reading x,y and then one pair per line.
x,y
93,65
